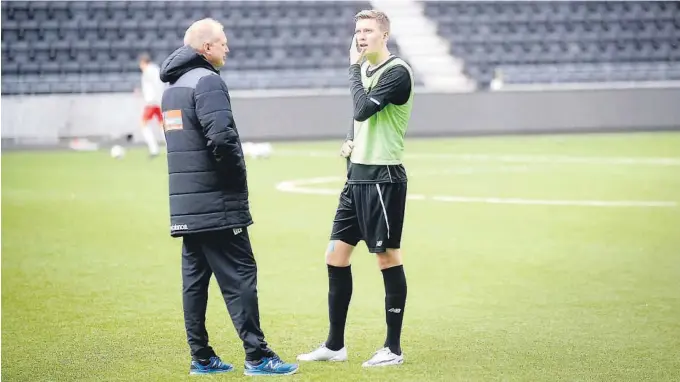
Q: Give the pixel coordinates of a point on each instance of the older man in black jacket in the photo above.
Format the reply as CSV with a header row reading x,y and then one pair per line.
x,y
209,200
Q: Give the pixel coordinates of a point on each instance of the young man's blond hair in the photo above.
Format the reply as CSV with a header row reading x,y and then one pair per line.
x,y
372,14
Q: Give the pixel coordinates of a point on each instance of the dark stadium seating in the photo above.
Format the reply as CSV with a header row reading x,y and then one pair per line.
x,y
92,46
551,41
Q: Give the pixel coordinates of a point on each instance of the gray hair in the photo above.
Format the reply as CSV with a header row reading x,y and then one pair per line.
x,y
202,31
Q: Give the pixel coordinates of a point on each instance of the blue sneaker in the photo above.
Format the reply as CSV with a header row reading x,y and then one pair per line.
x,y
215,366
270,366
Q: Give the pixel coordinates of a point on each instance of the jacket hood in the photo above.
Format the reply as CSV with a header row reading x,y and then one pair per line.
x,y
181,61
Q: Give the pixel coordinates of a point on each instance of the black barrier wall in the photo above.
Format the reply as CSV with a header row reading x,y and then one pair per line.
x,y
472,113
50,118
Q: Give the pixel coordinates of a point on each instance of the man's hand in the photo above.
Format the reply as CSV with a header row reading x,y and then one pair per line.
x,y
356,54
346,149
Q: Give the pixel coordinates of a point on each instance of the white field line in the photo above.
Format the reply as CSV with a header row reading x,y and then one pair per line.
x,y
299,186
584,203
513,158
466,170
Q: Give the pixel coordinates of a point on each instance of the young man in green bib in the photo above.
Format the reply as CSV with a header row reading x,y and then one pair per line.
x,y
372,202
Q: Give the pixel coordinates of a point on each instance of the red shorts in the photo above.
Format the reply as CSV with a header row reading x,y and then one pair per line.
x,y
151,112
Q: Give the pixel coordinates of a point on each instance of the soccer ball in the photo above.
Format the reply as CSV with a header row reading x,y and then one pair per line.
x,y
263,150
257,150
117,152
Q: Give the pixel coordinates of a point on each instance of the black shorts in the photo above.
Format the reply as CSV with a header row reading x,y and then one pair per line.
x,y
373,213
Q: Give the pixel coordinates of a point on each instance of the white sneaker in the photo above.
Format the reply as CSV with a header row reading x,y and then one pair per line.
x,y
384,357
322,353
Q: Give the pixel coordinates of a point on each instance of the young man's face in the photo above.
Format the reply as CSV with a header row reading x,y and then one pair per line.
x,y
369,35
216,52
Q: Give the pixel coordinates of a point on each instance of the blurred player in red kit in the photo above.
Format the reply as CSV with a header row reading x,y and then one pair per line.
x,y
152,91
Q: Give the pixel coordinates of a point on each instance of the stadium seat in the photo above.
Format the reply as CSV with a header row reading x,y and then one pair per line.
x,y
523,40
76,38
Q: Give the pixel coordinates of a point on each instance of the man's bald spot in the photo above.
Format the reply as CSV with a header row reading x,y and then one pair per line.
x,y
201,32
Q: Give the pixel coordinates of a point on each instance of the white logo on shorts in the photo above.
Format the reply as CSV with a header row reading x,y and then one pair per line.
x,y
237,231
378,244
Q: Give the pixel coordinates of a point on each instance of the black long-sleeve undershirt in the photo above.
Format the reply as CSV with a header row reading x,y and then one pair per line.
x,y
394,86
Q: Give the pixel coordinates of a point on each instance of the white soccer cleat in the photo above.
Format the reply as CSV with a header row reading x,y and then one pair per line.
x,y
384,357
322,353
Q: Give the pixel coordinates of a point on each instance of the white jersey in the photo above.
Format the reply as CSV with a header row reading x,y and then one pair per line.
x,y
152,86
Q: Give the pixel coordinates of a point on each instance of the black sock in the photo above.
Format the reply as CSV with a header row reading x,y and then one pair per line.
x,y
395,301
339,295
205,361
203,356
